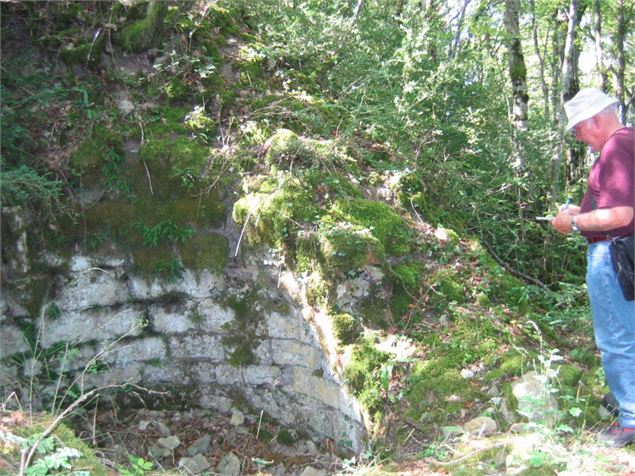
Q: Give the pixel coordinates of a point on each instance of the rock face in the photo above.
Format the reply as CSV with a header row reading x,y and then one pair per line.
x,y
212,340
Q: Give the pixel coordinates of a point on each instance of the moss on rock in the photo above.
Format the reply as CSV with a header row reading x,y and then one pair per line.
x,y
447,286
275,217
87,53
242,337
205,252
142,34
345,248
89,159
386,225
63,437
569,375
347,329
286,150
362,376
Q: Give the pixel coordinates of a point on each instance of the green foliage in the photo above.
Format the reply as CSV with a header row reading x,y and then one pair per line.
x,y
142,34
23,186
386,225
286,150
363,375
114,180
284,437
61,452
205,252
164,232
87,53
170,270
347,329
137,467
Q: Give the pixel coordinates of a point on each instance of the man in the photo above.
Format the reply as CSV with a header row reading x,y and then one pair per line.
x,y
606,211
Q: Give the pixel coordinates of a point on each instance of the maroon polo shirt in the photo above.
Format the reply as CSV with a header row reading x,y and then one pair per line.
x,y
611,180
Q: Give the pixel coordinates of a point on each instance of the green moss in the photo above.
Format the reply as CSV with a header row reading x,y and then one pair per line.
x,y
113,216
328,186
275,217
142,34
374,309
90,157
176,89
64,437
362,375
177,151
196,317
242,337
205,252
347,329
447,286
146,260
168,121
286,150
85,53
284,437
36,291
345,248
513,364
206,210
406,279
408,275
569,375
400,304
386,225
437,381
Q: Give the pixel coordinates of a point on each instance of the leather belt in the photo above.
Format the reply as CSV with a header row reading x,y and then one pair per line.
x,y
596,239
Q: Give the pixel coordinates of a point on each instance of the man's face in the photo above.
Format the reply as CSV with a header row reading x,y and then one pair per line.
x,y
585,132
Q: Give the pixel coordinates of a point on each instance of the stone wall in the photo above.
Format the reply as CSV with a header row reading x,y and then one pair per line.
x,y
210,340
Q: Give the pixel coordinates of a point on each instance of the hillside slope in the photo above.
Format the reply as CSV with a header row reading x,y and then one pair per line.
x,y
426,329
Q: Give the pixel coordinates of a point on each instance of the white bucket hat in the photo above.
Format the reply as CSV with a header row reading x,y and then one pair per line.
x,y
586,104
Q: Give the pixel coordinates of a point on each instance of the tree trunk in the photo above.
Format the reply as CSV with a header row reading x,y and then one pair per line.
x,y
517,68
569,85
454,48
620,35
541,63
599,52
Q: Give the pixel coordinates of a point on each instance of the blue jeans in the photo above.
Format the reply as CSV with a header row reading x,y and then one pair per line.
x,y
614,327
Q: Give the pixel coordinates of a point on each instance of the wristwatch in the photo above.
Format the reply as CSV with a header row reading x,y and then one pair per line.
x,y
574,225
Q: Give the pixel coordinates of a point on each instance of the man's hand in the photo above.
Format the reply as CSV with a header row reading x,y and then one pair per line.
x,y
600,219
562,221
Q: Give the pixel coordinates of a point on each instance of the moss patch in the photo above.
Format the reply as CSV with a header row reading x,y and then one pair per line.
x,y
275,215
62,437
286,150
386,225
242,337
363,376
205,252
432,382
347,329
85,53
142,34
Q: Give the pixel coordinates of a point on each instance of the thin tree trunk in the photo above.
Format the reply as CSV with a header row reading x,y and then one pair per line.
x,y
556,65
431,15
569,67
358,10
517,67
454,48
541,63
621,58
599,52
